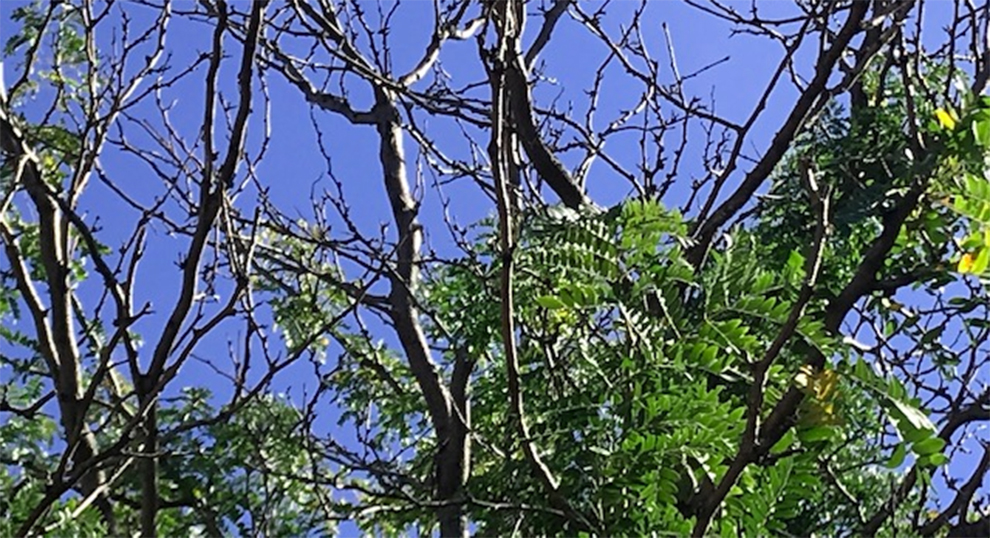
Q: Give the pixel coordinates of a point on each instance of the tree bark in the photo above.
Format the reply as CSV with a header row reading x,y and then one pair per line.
x,y
450,459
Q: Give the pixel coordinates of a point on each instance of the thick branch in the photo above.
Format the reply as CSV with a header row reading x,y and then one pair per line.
x,y
506,100
783,139
550,19
861,284
544,161
54,326
748,446
963,497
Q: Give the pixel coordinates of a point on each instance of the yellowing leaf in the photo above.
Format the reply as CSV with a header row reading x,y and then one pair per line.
x,y
820,385
825,384
945,119
821,388
966,262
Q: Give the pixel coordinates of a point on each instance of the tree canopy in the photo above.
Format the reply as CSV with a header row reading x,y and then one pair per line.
x,y
293,268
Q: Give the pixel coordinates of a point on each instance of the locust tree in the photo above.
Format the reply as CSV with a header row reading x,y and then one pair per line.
x,y
575,278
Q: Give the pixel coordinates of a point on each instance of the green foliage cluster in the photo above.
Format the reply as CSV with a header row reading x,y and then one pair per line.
x,y
240,471
636,373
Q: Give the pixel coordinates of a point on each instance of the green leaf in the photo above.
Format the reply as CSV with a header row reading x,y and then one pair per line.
x,y
600,451
815,434
928,446
981,130
784,443
914,416
912,435
981,262
550,302
897,458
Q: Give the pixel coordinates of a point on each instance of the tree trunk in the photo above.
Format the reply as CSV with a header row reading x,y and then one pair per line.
x,y
149,460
